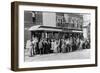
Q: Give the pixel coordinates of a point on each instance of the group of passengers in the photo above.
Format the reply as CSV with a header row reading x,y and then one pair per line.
x,y
47,46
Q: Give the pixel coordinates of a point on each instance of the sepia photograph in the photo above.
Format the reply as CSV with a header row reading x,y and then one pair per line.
x,y
56,36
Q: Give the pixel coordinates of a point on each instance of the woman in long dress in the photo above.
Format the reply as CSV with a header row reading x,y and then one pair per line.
x,y
52,46
67,45
56,45
34,45
29,47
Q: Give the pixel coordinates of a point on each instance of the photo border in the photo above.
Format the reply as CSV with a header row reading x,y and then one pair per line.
x,y
15,34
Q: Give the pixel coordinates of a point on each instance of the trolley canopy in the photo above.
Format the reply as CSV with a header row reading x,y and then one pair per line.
x,y
55,29
44,28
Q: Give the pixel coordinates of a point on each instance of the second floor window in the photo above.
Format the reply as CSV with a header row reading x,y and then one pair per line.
x,y
33,16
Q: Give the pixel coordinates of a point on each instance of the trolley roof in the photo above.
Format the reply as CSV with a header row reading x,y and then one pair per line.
x,y
55,29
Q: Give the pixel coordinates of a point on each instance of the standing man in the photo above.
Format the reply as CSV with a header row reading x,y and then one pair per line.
x,y
41,46
34,41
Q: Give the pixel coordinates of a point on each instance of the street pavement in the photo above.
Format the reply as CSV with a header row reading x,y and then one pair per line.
x,y
79,54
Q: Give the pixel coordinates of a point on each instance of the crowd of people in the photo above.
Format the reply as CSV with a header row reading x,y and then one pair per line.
x,y
42,46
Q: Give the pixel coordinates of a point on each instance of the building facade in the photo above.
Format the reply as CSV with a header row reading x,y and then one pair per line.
x,y
70,24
